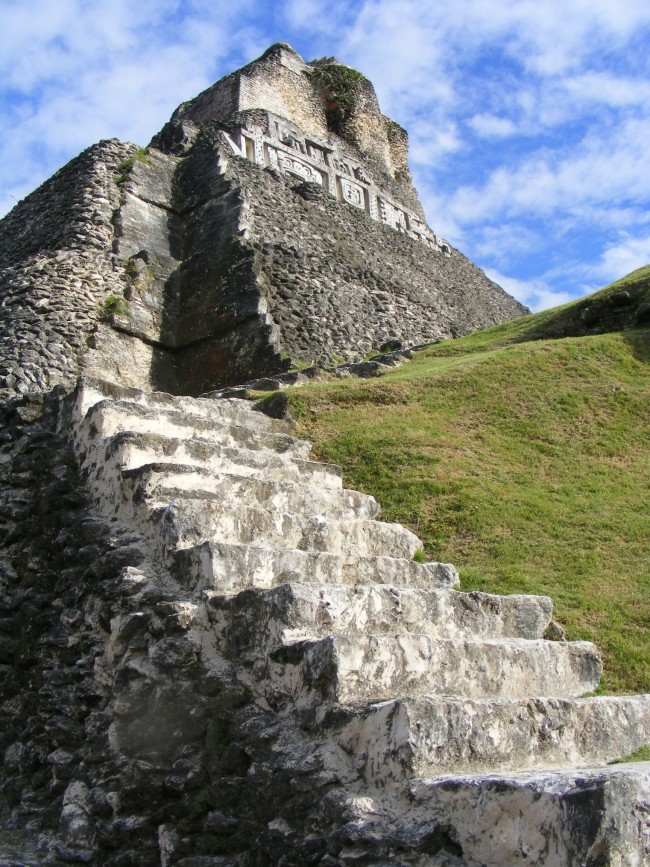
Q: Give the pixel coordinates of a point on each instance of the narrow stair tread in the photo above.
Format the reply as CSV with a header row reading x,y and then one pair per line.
x,y
295,611
402,738
324,498
563,815
381,666
200,516
91,391
209,428
204,450
226,567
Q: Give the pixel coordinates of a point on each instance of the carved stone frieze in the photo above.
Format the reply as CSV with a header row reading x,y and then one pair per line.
x,y
353,194
293,166
393,216
286,148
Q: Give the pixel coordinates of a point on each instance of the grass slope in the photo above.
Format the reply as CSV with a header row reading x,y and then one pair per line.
x,y
522,460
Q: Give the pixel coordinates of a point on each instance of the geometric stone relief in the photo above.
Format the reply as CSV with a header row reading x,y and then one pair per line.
x,y
287,149
353,194
294,166
392,216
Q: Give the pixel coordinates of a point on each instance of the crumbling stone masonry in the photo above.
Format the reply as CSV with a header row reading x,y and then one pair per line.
x,y
211,653
272,221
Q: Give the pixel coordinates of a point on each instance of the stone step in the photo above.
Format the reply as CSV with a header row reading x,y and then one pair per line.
x,y
107,418
375,667
128,450
257,621
542,819
185,519
404,738
162,481
90,392
228,568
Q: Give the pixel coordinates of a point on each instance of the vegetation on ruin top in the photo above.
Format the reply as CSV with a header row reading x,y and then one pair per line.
x,y
124,169
339,85
521,456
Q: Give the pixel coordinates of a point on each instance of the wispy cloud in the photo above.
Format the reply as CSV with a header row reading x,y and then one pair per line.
x,y
492,126
75,72
623,255
564,178
535,294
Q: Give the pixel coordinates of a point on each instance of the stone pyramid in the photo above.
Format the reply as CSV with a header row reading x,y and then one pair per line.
x,y
211,653
271,223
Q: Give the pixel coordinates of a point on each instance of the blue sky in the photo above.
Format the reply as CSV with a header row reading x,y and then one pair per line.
x,y
529,119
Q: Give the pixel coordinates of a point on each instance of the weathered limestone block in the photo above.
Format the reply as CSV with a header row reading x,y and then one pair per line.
x,y
543,819
201,516
360,667
90,391
229,568
262,620
424,736
108,418
129,450
162,481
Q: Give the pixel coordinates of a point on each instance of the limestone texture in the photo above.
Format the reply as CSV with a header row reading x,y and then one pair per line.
x,y
211,652
271,222
215,654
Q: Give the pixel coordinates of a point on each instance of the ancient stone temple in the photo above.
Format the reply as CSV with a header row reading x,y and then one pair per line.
x,y
272,222
211,653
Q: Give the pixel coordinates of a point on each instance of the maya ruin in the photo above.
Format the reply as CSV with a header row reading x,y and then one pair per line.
x,y
211,652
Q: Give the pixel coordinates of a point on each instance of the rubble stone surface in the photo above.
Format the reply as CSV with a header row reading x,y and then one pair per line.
x,y
211,653
202,678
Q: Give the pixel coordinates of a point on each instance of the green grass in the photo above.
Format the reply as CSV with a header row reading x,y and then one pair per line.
x,y
641,755
114,305
522,460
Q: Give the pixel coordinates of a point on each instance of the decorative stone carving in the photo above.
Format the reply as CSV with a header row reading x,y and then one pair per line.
x,y
286,149
353,194
294,166
316,153
342,167
392,216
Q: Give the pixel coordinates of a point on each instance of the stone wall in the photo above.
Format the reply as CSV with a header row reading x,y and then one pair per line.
x,y
189,266
57,269
339,284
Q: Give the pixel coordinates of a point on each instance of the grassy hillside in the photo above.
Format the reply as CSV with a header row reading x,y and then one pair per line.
x,y
521,459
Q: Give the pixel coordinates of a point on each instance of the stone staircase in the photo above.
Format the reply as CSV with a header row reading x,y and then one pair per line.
x,y
449,707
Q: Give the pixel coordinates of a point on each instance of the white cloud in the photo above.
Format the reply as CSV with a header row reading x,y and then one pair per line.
x,y
607,89
491,126
535,294
597,172
506,242
309,15
428,141
75,72
622,256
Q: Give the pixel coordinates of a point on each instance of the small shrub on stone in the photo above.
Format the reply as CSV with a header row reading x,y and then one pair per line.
x,y
114,305
125,168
